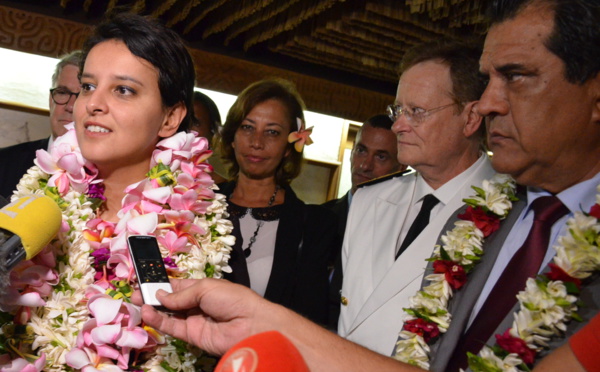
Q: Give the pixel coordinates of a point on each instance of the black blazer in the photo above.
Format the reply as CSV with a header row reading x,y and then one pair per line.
x,y
305,236
340,207
14,162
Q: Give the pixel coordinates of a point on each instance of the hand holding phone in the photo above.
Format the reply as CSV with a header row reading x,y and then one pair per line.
x,y
149,267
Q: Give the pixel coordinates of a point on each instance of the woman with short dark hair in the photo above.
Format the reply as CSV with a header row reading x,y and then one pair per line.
x,y
125,167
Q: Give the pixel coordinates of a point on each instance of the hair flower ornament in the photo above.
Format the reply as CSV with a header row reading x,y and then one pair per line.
x,y
301,136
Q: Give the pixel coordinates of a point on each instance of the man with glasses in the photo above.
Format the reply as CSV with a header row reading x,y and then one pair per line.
x,y
393,225
15,160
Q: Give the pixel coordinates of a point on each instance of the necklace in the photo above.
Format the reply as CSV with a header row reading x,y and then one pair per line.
x,y
259,224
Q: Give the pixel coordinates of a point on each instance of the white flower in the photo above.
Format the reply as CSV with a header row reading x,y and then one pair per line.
x,y
508,364
496,199
412,349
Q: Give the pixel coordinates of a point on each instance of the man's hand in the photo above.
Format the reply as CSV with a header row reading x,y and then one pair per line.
x,y
209,313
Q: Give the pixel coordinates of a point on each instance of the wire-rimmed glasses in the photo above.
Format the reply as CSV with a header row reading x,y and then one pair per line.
x,y
414,116
61,96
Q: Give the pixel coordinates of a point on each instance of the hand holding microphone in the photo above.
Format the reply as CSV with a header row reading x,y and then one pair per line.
x,y
27,225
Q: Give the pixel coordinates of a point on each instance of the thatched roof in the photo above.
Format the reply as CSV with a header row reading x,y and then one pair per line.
x,y
353,42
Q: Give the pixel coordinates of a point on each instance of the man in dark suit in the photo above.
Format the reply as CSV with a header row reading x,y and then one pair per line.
x,y
374,155
542,105
16,159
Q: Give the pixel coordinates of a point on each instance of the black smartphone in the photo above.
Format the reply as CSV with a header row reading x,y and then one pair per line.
x,y
149,268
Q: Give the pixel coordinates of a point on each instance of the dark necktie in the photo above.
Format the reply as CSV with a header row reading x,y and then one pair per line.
x,y
526,263
422,220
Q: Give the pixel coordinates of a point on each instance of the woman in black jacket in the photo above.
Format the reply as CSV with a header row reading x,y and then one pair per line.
x,y
282,244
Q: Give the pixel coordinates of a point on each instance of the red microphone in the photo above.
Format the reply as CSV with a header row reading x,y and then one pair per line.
x,y
265,352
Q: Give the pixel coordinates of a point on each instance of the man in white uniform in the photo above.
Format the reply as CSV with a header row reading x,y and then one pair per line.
x,y
439,135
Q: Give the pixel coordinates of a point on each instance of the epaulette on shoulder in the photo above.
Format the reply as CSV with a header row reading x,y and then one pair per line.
x,y
377,180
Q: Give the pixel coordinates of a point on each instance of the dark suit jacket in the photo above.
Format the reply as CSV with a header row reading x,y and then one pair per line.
x,y
14,162
340,207
305,236
464,300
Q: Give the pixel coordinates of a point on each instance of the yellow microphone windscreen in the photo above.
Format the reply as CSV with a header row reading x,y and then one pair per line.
x,y
36,219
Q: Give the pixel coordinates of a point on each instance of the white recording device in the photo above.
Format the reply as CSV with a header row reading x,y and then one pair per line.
x,y
149,268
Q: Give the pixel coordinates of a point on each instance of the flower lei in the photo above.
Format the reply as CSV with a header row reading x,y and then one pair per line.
x,y
69,308
548,302
461,249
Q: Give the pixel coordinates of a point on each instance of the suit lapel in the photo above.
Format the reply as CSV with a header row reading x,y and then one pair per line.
x,y
289,235
398,277
464,300
382,214
411,264
389,217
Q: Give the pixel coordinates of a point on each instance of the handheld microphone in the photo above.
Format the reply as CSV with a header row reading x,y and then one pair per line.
x,y
265,352
27,225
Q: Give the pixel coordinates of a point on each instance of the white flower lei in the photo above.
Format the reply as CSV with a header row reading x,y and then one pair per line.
x,y
179,164
546,305
461,249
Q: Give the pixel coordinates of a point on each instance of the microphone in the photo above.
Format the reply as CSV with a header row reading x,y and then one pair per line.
x,y
27,225
265,352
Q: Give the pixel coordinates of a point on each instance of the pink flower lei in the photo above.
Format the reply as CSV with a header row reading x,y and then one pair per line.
x,y
69,307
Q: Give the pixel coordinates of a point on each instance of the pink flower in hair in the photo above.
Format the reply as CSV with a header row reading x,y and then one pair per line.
x,y
300,137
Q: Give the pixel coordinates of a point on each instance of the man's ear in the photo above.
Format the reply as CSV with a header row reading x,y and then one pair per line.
x,y
473,119
173,118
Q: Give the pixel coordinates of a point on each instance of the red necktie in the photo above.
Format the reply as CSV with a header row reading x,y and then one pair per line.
x,y
526,263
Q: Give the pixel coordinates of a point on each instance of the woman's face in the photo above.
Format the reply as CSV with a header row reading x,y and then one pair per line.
x,y
260,142
119,115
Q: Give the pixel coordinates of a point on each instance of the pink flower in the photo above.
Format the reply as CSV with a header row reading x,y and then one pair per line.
x,y
121,266
193,177
453,273
113,332
182,223
517,346
87,360
22,365
423,328
180,147
189,202
301,137
173,243
144,224
66,164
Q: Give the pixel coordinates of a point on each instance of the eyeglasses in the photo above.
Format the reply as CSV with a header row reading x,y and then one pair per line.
x,y
414,116
61,96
